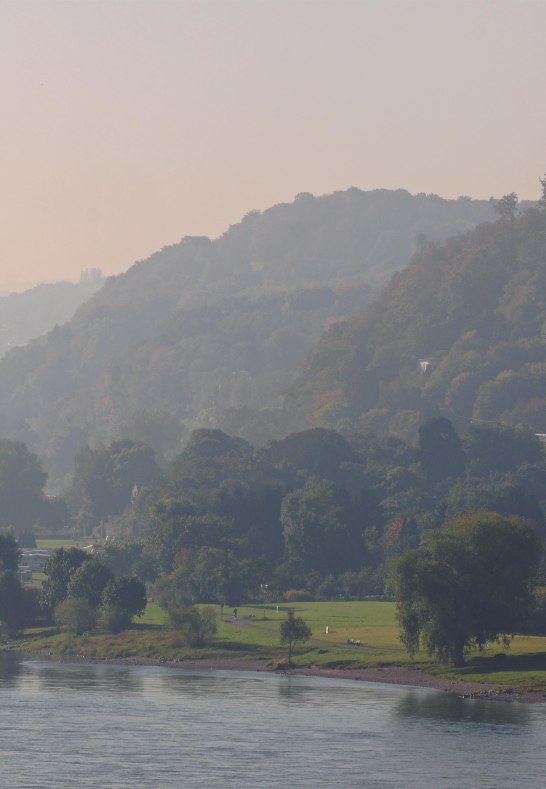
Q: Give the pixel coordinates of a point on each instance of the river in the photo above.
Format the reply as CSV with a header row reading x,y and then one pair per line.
x,y
119,727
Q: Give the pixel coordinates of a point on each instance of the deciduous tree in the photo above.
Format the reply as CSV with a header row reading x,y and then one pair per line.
x,y
468,583
194,625
9,552
75,615
506,206
127,595
292,630
89,581
59,569
542,200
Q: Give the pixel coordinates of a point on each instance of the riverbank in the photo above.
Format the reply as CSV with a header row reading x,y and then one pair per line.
x,y
392,675
350,640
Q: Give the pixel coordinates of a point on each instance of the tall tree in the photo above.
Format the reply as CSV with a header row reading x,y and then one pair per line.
x,y
9,553
59,569
22,482
88,581
321,528
11,601
506,206
469,583
125,595
542,200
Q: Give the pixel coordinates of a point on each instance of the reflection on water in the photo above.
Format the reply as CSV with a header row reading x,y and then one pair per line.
x,y
85,678
10,668
447,707
75,725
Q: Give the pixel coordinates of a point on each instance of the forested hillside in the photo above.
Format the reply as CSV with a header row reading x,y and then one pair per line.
x,y
461,332
313,512
211,332
26,316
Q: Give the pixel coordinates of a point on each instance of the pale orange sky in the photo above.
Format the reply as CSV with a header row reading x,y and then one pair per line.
x,y
127,124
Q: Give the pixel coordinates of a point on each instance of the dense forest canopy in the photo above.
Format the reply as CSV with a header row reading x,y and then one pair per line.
x,y
314,512
211,333
460,333
313,515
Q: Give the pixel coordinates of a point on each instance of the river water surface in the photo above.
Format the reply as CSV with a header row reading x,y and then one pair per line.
x,y
100,726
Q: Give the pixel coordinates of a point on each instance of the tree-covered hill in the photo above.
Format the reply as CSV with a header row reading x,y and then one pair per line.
x,y
210,333
25,316
460,332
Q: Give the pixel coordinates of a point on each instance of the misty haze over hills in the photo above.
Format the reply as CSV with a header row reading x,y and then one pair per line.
x,y
211,333
459,333
27,315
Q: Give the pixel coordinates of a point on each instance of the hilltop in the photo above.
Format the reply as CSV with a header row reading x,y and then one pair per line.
x,y
27,315
211,333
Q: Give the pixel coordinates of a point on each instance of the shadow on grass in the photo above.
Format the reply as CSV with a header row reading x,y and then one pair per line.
x,y
237,646
533,661
339,664
42,632
145,626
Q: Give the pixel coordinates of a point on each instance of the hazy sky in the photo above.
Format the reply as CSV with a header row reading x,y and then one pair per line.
x,y
127,124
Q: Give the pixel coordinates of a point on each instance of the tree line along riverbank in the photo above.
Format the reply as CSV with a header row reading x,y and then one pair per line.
x,y
356,640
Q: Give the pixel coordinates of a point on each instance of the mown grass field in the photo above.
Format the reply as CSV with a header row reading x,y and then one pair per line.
x,y
52,545
254,634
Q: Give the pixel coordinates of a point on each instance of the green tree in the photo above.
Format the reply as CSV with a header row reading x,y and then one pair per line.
x,y
21,485
88,581
75,615
104,480
11,602
294,629
126,596
59,569
9,552
321,528
468,583
208,577
498,447
195,626
174,588
167,531
122,555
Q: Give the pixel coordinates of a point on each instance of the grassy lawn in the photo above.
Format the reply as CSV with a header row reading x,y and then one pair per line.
x,y
522,668
52,545
255,634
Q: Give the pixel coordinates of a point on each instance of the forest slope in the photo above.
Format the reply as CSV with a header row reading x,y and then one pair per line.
x,y
211,332
460,332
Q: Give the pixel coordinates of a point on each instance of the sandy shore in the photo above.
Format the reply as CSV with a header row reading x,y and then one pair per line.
x,y
395,675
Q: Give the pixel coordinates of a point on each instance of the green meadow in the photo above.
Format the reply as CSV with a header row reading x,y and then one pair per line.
x,y
254,635
53,544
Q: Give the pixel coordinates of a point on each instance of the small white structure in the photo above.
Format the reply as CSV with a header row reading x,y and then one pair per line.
x,y
93,548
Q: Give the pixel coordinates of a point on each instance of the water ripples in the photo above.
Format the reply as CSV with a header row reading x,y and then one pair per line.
x,y
116,727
